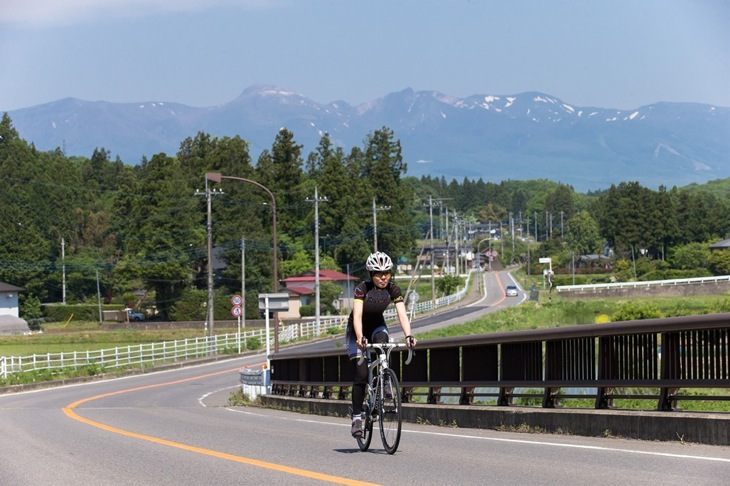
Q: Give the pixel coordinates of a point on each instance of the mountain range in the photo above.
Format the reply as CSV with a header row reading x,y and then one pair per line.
x,y
490,137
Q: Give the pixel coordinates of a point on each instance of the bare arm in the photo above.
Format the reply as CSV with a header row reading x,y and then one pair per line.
x,y
357,320
405,324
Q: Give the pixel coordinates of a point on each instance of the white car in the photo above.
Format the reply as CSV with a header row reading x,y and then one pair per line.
x,y
511,291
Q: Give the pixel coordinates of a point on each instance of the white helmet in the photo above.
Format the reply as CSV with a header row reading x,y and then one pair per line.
x,y
378,262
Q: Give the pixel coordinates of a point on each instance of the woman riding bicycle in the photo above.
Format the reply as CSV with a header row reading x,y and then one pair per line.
x,y
366,323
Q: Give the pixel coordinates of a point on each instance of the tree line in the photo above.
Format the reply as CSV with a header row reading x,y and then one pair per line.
x,y
111,227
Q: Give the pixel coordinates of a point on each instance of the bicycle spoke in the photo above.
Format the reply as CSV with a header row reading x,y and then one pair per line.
x,y
390,413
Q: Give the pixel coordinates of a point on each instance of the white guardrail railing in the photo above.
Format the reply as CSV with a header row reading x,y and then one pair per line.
x,y
153,354
647,283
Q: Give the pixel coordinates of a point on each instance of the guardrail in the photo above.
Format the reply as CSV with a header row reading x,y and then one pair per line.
x,y
652,359
644,284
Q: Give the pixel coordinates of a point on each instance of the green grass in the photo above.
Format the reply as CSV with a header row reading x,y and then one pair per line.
x,y
554,311
84,336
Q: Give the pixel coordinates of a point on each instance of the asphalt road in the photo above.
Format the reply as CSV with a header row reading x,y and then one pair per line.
x,y
175,428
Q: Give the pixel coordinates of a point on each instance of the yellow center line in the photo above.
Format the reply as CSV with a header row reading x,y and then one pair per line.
x,y
70,412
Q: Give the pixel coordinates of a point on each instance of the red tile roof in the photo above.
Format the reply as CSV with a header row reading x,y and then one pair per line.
x,y
308,276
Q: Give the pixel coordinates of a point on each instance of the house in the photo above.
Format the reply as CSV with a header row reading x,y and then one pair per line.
x,y
302,286
721,245
10,321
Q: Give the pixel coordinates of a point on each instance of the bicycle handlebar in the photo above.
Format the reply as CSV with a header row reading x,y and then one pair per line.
x,y
383,347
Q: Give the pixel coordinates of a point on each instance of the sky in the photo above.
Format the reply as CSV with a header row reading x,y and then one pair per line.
x,y
609,54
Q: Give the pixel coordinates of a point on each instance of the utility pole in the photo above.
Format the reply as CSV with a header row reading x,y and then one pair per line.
x,y
243,287
375,223
209,307
316,201
98,297
512,230
63,276
433,277
448,240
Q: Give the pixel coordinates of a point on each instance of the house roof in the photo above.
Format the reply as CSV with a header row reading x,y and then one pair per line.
x,y
300,290
309,276
13,325
6,287
721,244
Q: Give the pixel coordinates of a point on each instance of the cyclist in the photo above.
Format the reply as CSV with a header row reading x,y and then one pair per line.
x,y
366,323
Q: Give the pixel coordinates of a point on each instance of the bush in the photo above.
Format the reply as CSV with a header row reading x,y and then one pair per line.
x,y
632,311
77,312
190,306
675,274
307,311
252,344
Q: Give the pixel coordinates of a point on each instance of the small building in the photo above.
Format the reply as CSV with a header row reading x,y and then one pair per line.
x,y
10,321
721,245
302,285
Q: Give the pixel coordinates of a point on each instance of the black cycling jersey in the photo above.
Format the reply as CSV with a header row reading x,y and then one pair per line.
x,y
375,301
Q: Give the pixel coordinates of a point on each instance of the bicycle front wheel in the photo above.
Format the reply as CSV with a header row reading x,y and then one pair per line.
x,y
389,408
367,427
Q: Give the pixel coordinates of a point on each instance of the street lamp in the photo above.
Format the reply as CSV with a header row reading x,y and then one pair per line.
x,y
480,255
217,177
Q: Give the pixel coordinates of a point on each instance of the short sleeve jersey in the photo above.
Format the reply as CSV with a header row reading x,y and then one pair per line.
x,y
375,301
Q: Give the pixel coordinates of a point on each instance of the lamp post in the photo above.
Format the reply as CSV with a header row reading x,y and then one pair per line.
x,y
480,256
217,177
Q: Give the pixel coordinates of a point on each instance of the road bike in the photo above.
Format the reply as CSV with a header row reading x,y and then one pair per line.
x,y
382,397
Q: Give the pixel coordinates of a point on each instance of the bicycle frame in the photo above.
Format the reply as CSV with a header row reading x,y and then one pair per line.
x,y
384,406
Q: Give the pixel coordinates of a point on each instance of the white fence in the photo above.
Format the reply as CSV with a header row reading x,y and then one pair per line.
x,y
648,283
151,354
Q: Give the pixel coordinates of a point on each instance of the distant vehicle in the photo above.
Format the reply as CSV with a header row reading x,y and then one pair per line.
x,y
134,315
511,291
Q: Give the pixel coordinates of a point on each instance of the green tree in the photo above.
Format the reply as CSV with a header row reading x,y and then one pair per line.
x,y
625,217
690,256
583,235
164,231
719,262
559,203
383,167
282,170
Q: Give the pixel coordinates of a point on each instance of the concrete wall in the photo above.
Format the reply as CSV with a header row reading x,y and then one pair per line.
x,y
680,290
703,428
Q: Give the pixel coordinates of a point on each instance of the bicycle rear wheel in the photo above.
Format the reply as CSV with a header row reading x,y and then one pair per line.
x,y
390,412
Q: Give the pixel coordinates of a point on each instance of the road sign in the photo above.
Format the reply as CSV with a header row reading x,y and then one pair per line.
x,y
274,302
236,300
237,311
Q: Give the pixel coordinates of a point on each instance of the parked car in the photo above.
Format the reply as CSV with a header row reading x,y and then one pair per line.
x,y
511,291
133,315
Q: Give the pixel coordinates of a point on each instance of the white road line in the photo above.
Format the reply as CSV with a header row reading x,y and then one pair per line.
x,y
514,441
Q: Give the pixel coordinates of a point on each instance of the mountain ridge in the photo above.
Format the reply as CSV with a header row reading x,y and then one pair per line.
x,y
528,135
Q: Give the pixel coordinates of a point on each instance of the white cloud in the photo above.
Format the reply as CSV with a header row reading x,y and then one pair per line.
x,y
59,12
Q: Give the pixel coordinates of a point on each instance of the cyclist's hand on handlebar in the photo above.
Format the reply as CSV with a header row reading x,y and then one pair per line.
x,y
411,341
361,343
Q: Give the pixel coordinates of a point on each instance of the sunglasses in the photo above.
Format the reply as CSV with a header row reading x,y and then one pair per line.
x,y
381,274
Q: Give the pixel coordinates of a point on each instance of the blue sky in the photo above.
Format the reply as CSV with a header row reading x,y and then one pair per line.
x,y
610,54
